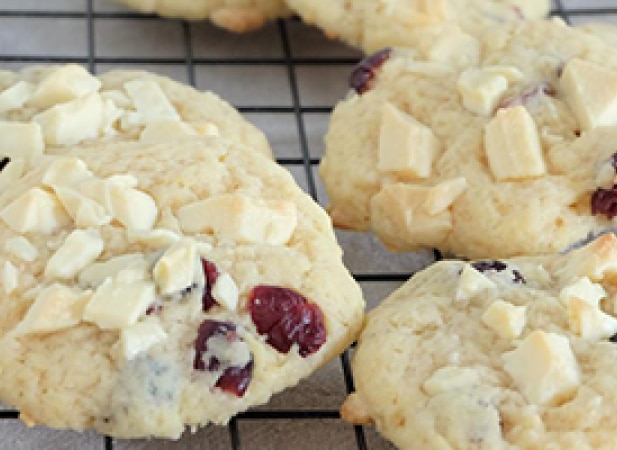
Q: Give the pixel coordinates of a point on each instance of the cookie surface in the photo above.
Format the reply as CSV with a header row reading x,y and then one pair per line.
x,y
373,25
237,16
45,110
494,355
150,287
494,149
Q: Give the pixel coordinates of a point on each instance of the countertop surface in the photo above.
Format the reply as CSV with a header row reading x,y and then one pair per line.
x,y
285,78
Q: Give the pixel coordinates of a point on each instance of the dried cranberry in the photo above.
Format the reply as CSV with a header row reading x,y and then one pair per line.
x,y
604,201
233,380
365,71
483,266
3,163
614,161
211,274
527,94
287,318
154,309
518,277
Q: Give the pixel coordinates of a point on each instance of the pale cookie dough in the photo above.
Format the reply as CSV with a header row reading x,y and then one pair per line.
x,y
605,31
239,16
45,110
519,354
374,24
146,288
508,153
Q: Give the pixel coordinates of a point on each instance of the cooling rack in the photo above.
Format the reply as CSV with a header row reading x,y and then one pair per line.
x,y
285,79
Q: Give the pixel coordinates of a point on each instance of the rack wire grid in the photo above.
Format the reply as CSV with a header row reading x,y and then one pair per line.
x,y
285,78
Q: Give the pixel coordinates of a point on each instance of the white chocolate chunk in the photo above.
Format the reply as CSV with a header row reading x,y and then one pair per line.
x,y
21,140
66,171
589,321
449,378
80,248
173,272
134,209
229,354
472,282
109,116
72,122
35,211
84,211
150,101
21,248
241,218
56,307
512,145
544,368
583,289
102,190
406,147
591,92
12,172
119,98
64,84
153,238
596,261
443,195
225,292
16,96
505,319
139,338
402,207
510,73
166,130
481,90
94,274
116,305
9,277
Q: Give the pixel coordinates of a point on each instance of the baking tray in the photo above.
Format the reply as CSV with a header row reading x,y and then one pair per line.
x,y
285,78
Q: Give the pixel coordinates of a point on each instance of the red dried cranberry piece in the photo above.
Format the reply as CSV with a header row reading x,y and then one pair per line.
x,y
365,71
211,273
604,201
483,266
527,94
234,380
3,163
614,161
287,318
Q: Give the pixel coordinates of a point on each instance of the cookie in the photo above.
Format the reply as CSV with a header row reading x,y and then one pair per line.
x,y
146,288
605,31
372,25
495,354
45,110
237,16
498,149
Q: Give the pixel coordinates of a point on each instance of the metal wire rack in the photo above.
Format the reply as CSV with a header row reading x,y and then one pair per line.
x,y
59,31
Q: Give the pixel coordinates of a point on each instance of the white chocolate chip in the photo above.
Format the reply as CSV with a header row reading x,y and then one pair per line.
x,y
35,211
64,84
72,122
591,92
481,90
56,307
150,101
174,271
139,338
455,48
583,289
406,147
80,249
116,305
443,195
10,277
154,238
21,140
241,218
94,274
589,321
449,378
134,209
16,96
21,248
505,319
66,171
12,172
544,368
472,282
225,292
512,145
84,211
